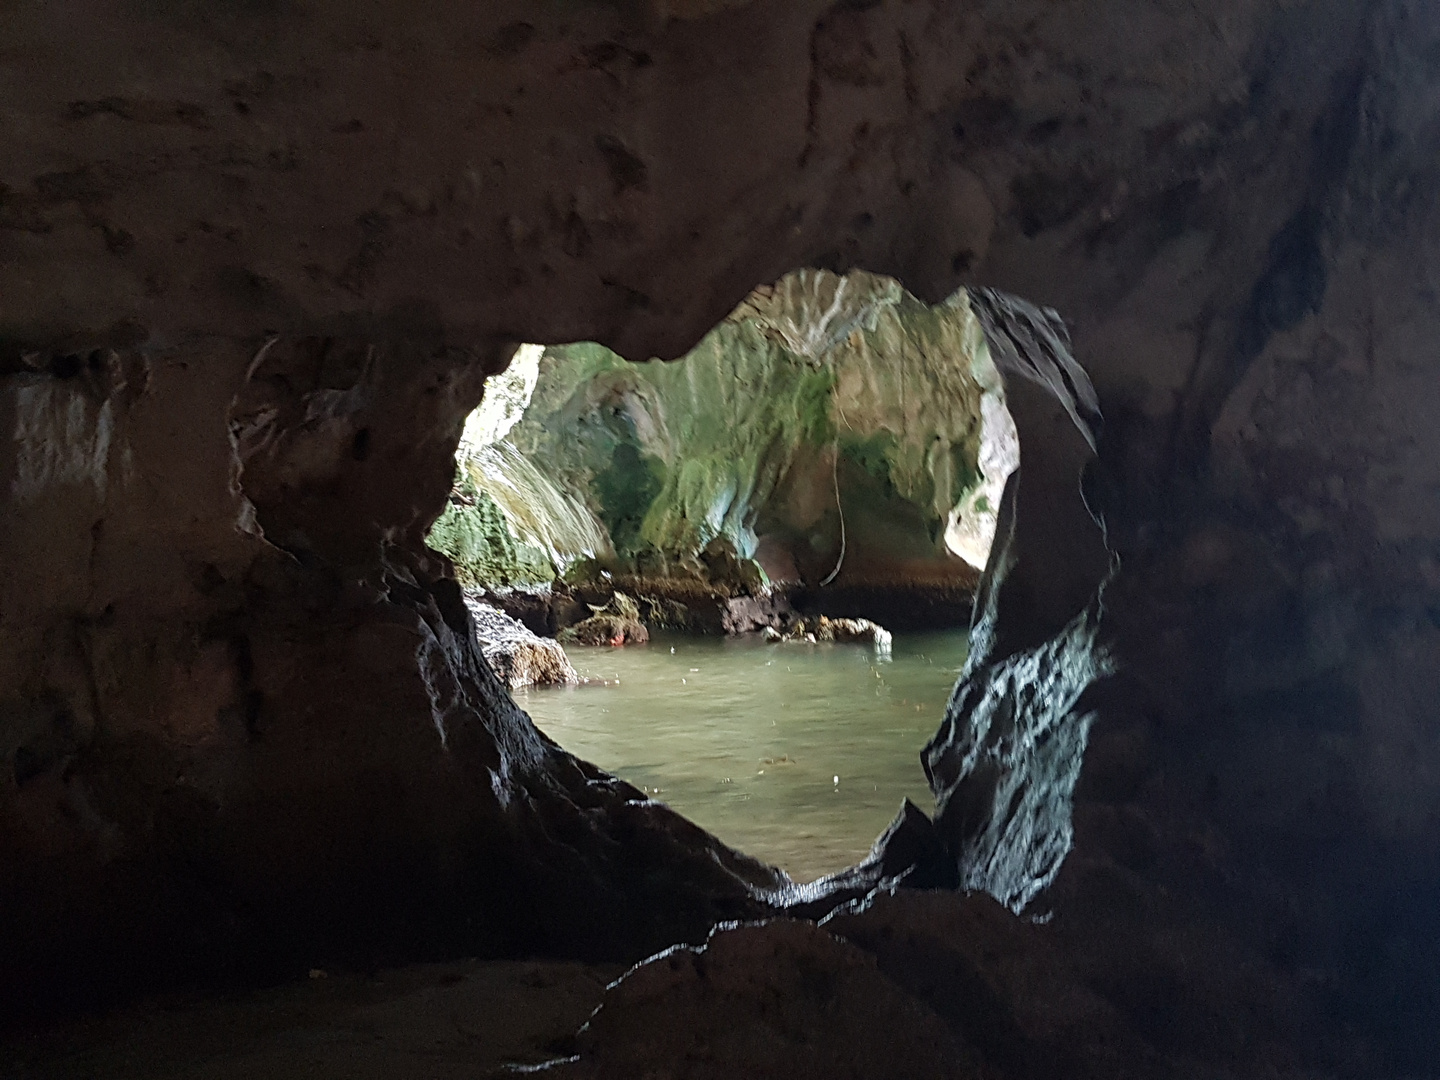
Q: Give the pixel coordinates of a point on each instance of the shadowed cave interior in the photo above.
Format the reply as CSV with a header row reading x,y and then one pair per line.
x,y
266,807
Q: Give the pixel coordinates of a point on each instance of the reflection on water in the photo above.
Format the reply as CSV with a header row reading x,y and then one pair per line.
x,y
796,754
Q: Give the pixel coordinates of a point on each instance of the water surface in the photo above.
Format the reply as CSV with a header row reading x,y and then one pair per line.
x,y
797,754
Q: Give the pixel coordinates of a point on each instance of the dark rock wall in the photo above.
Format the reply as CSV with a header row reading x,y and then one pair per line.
x,y
224,755
432,170
1005,761
1232,203
1276,738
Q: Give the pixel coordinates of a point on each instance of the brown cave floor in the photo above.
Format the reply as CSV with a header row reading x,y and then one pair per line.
x,y
468,1019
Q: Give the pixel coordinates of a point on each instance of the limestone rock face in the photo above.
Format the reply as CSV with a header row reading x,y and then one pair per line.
x,y
518,657
1007,756
225,754
830,429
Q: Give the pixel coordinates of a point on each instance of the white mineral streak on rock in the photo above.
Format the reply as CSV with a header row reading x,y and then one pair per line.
x,y
813,311
971,530
62,437
537,510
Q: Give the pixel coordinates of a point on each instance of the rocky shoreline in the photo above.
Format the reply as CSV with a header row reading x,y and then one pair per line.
x,y
814,631
529,653
690,606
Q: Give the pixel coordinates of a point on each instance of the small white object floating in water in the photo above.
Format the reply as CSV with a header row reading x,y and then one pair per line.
x,y
837,781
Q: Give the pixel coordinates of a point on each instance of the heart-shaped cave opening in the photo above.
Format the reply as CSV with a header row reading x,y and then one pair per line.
x,y
799,508
759,560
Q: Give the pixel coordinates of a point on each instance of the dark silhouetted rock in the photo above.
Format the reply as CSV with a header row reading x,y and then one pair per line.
x,y
782,1000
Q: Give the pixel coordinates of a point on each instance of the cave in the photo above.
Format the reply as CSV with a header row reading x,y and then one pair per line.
x,y
265,805
824,468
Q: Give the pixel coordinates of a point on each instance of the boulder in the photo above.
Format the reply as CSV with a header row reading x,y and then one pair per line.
x,y
519,657
617,623
898,984
823,628
861,630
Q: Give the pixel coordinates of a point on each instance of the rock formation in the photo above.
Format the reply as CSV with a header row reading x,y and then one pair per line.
x,y
818,384
1004,764
1006,758
824,629
256,261
518,657
617,623
900,985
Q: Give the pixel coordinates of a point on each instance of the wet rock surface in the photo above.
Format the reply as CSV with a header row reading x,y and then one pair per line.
x,y
822,629
617,623
518,657
1008,754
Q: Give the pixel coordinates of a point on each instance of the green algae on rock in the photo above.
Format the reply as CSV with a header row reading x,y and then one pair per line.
x,y
832,428
474,532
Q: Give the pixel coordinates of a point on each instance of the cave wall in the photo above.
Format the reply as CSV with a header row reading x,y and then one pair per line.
x,y
225,754
1280,535
312,169
830,428
1233,205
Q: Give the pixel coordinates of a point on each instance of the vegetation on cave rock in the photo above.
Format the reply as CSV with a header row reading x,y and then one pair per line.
x,y
474,532
819,396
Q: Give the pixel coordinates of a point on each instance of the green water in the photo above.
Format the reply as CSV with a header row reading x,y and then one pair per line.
x,y
797,754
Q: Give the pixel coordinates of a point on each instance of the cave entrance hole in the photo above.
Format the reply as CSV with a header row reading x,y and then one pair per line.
x,y
834,449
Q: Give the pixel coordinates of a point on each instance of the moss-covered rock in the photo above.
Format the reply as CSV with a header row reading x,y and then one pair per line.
x,y
617,623
474,532
831,428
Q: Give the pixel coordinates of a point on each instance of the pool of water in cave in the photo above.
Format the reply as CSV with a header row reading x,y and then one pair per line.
x,y
797,754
